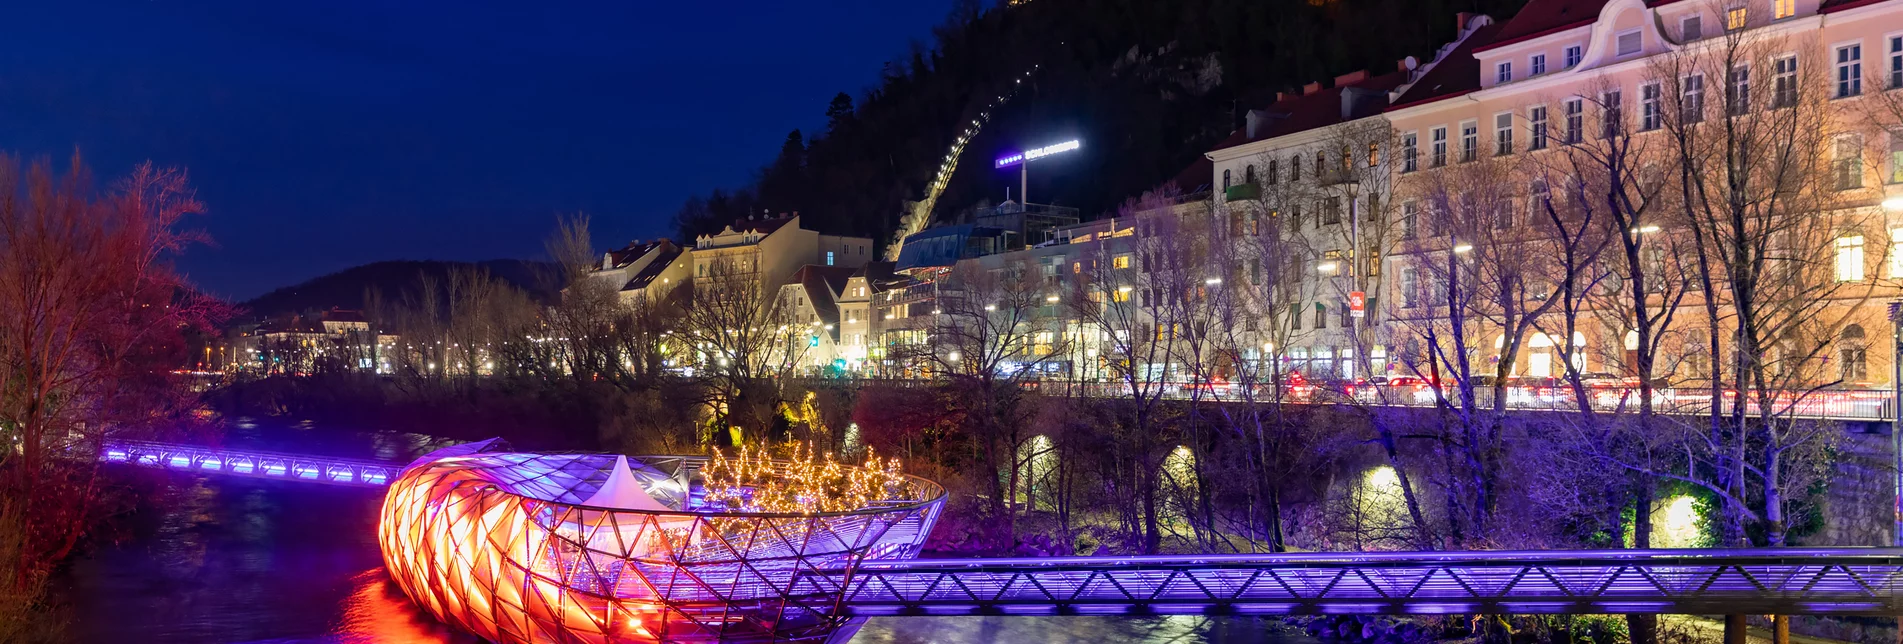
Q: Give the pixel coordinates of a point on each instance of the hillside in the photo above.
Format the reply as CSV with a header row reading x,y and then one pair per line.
x,y
346,288
1146,86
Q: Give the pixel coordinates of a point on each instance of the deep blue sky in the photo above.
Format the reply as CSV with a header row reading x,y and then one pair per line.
x,y
322,135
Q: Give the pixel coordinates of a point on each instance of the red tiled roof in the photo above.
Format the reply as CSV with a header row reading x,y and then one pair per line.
x,y
1541,17
1456,74
1319,109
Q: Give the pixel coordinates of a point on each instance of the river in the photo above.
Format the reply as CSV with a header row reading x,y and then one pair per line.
x,y
241,560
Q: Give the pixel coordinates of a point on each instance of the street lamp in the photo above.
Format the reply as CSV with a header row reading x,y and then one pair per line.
x,y
1463,249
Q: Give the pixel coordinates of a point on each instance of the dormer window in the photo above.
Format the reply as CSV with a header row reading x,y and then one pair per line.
x,y
1782,9
1573,55
1691,28
1736,17
1503,72
1628,43
1537,65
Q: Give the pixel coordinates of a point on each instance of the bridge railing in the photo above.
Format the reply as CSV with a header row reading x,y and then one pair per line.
x,y
251,463
1757,581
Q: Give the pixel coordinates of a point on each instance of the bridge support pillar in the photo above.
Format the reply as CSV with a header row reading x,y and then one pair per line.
x,y
1735,629
1780,629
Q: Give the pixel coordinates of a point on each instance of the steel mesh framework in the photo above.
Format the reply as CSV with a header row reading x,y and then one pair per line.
x,y
1863,581
500,545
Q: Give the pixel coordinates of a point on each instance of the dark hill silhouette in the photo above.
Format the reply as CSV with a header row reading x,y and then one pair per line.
x,y
345,289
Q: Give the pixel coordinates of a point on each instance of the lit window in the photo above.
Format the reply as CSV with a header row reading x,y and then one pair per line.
x,y
829,258
1536,121
1849,70
1850,258
1896,252
1896,156
1503,134
1784,8
1649,107
1735,18
1537,65
1374,155
1573,55
1503,72
1120,261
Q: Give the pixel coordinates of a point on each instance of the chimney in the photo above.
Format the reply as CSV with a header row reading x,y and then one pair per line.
x,y
1283,96
1461,19
1311,88
1351,78
1406,64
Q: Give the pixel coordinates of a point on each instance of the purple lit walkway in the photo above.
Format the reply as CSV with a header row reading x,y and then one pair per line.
x,y
1785,581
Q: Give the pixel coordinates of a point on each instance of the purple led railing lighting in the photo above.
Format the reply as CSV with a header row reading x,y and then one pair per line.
x,y
1793,581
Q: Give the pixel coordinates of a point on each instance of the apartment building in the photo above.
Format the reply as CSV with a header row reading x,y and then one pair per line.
x,y
1564,75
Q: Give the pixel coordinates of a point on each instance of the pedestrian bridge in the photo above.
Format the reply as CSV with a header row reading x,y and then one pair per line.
x,y
1783,581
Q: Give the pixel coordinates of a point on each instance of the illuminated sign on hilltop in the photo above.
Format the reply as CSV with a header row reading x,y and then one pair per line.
x,y
1034,154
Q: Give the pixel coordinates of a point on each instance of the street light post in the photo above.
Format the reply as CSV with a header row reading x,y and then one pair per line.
x,y
1896,418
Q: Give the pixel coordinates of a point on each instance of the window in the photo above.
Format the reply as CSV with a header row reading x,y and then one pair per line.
x,y
1503,72
1295,218
1851,354
1225,180
1847,166
1738,91
1784,87
1374,155
1321,164
1691,28
1347,159
1331,210
1573,55
1408,150
1628,43
1410,288
1294,168
1896,252
1255,271
1121,260
1649,117
1849,70
1439,154
1536,65
1782,9
829,258
1612,114
1536,130
1410,219
1469,141
1896,158
1248,174
1692,103
1295,316
1273,170
1575,119
1321,315
1503,134
1850,258
1896,62
1735,18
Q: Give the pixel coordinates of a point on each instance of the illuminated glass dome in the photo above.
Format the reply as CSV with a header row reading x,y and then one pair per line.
x,y
519,547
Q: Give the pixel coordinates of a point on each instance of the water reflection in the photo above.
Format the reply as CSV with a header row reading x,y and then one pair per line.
x,y
248,560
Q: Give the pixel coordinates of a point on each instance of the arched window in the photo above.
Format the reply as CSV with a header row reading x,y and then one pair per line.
x,y
1851,360
1347,159
1295,168
1272,172
1225,180
1248,174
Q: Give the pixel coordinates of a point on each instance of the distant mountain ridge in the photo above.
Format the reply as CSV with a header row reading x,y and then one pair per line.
x,y
345,289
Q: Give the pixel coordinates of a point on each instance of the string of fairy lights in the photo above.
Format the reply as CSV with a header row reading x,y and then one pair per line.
x,y
805,482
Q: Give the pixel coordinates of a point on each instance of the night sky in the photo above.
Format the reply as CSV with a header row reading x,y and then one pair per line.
x,y
327,135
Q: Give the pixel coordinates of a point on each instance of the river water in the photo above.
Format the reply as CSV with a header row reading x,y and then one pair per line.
x,y
241,560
